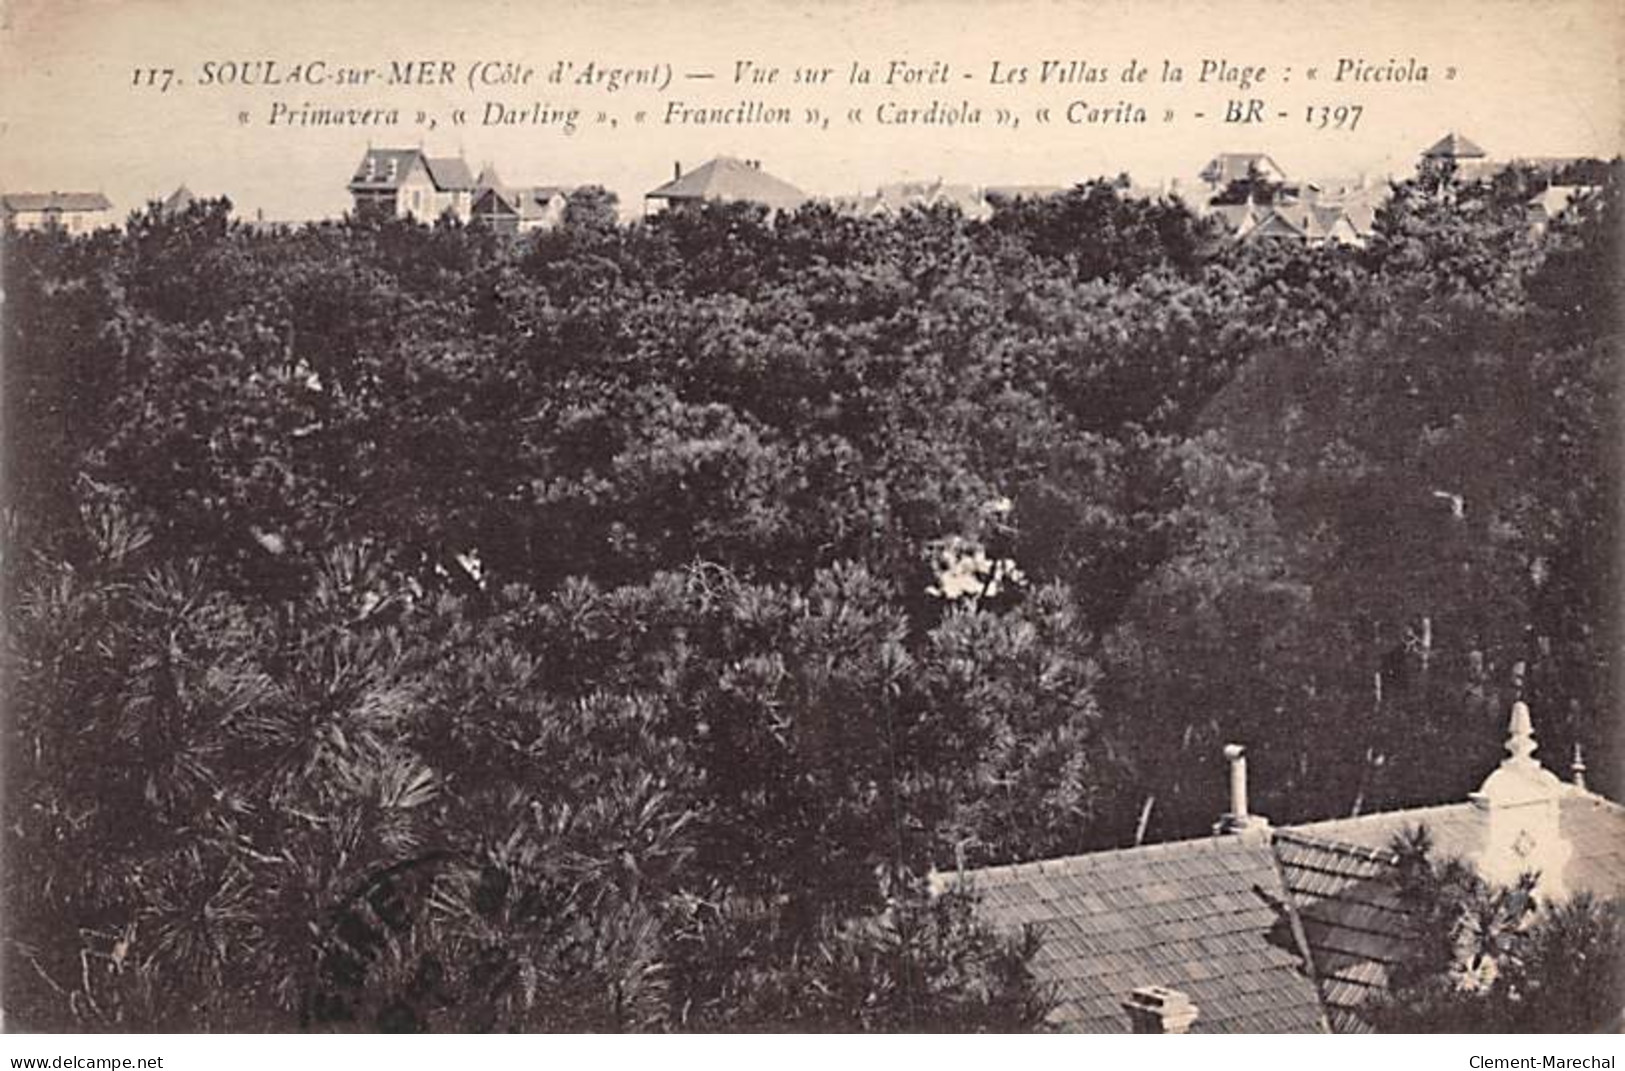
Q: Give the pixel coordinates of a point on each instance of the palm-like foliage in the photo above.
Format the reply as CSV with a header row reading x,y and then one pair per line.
x,y
1485,957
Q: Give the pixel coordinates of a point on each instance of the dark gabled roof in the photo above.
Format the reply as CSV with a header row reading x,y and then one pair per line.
x,y
1293,931
527,202
1304,221
1354,920
1281,223
55,202
177,202
728,179
1207,917
384,169
1296,928
495,201
1455,147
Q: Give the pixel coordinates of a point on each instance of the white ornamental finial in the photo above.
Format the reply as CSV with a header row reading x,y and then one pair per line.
x,y
1521,735
1523,826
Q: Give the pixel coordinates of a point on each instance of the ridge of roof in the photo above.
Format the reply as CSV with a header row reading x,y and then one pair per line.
x,y
1215,842
1320,829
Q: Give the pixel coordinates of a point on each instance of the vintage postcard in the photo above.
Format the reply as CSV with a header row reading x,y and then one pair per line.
x,y
826,517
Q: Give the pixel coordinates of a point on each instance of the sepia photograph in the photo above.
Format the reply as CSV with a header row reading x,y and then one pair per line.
x,y
820,517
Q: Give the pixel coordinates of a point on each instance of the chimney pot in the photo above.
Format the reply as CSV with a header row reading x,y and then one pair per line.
x,y
1237,757
1578,768
1155,1009
676,170
1239,819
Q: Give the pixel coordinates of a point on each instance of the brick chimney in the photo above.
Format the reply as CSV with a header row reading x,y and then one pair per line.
x,y
676,170
1155,1009
1239,819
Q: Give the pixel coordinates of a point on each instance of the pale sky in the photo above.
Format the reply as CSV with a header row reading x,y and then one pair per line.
x,y
1539,77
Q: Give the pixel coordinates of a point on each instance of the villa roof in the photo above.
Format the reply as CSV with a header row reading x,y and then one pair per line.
x,y
1295,928
1455,147
728,179
1207,917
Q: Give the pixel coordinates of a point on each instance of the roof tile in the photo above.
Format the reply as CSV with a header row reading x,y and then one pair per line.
x,y
1183,914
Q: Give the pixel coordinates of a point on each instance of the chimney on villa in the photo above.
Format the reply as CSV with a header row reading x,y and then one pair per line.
x,y
1155,1009
676,170
1577,768
1239,819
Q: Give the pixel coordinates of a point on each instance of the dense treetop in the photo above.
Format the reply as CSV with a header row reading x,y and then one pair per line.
x,y
413,627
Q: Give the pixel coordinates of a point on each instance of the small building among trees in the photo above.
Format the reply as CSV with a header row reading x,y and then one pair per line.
x,y
726,178
76,213
516,209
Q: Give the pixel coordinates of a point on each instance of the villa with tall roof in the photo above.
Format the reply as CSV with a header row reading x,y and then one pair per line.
x,y
409,183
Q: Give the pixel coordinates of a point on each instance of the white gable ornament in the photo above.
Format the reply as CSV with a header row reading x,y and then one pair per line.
x,y
1519,802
